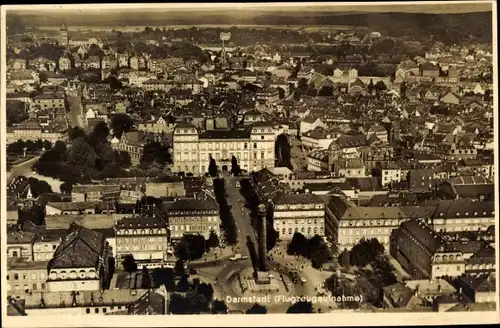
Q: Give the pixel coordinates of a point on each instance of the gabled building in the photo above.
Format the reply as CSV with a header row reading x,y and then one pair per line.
x,y
133,142
423,253
80,262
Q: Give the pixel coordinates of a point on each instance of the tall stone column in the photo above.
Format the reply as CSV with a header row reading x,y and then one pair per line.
x,y
262,238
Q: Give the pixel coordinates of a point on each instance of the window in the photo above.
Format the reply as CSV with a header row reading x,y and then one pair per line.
x,y
96,310
16,276
262,137
104,310
255,145
87,310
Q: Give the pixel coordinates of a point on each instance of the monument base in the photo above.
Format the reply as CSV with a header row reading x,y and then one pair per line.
x,y
262,278
262,284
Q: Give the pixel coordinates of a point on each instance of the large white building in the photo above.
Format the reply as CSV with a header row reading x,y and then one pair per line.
x,y
303,213
253,148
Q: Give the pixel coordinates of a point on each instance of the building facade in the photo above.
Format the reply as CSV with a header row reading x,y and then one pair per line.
x,y
192,216
303,213
145,238
423,253
253,148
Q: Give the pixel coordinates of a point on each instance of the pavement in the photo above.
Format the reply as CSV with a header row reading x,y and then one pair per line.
x,y
298,156
23,168
74,99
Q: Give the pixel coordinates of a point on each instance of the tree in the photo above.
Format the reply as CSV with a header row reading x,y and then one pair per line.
x,y
380,86
121,123
206,290
66,187
283,151
129,264
163,277
183,284
365,251
34,214
75,132
39,187
317,251
219,307
81,154
100,132
191,247
272,237
235,167
47,145
124,159
177,304
16,147
212,167
179,270
298,244
370,86
213,240
344,258
257,309
154,152
146,278
300,307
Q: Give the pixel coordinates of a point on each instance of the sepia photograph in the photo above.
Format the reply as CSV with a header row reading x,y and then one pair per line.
x,y
209,161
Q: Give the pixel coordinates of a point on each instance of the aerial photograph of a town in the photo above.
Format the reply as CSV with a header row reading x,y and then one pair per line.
x,y
249,160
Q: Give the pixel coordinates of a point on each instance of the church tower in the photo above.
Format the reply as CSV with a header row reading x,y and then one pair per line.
x,y
63,37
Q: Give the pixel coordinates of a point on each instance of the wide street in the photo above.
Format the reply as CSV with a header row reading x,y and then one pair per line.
x,y
74,99
222,272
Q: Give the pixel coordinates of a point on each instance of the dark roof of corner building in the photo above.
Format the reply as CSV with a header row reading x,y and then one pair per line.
x,y
424,234
191,204
140,222
462,208
225,134
80,248
294,199
182,125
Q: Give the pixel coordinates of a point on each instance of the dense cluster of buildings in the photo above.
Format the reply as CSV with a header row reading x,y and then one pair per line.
x,y
405,158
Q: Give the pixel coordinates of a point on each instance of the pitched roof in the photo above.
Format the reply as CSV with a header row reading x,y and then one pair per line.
x,y
293,199
424,234
140,222
150,303
80,248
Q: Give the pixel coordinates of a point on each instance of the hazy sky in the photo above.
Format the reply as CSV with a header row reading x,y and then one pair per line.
x,y
271,7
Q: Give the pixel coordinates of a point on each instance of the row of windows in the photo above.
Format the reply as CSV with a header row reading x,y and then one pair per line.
x,y
45,247
33,287
302,230
150,247
360,223
142,232
193,228
365,231
139,240
309,221
25,276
